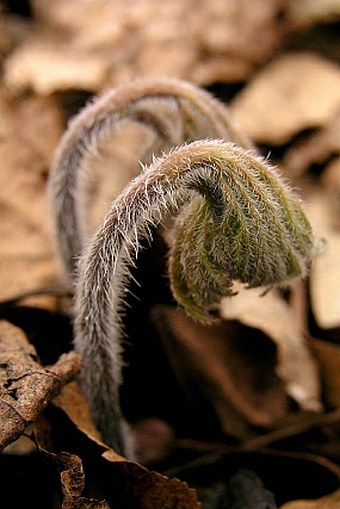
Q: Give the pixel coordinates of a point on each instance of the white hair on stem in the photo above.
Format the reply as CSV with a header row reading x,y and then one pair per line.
x,y
236,220
174,110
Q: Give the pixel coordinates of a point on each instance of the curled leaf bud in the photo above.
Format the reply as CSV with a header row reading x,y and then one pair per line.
x,y
235,220
171,111
245,226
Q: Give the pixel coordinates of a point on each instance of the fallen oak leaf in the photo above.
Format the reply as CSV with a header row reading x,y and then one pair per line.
x,y
26,386
65,369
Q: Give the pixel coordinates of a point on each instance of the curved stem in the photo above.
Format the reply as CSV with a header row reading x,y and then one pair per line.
x,y
173,110
236,220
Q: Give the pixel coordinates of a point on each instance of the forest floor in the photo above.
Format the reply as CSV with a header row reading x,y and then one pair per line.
x,y
214,422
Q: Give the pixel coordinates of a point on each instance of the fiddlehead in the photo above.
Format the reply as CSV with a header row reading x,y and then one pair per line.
x,y
171,111
236,220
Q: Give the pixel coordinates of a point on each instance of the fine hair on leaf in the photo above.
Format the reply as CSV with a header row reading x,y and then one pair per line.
x,y
171,111
234,219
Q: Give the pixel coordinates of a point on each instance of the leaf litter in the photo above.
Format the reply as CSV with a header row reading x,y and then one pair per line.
x,y
199,391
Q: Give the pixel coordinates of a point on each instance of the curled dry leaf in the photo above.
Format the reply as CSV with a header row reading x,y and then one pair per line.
x,y
274,317
288,96
27,387
73,482
327,357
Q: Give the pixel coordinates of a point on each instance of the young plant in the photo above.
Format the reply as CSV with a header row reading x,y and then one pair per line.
x,y
172,111
233,219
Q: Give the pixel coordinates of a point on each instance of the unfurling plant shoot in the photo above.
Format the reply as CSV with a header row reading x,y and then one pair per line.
x,y
171,111
234,219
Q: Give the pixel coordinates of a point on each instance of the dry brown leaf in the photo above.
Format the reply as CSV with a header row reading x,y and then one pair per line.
x,y
152,437
328,356
73,403
236,375
323,207
316,149
13,31
26,387
330,178
325,273
47,65
308,12
137,485
271,314
82,45
296,91
156,491
73,482
331,501
29,132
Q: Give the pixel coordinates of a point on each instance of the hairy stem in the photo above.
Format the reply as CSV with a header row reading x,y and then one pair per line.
x,y
236,220
172,110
